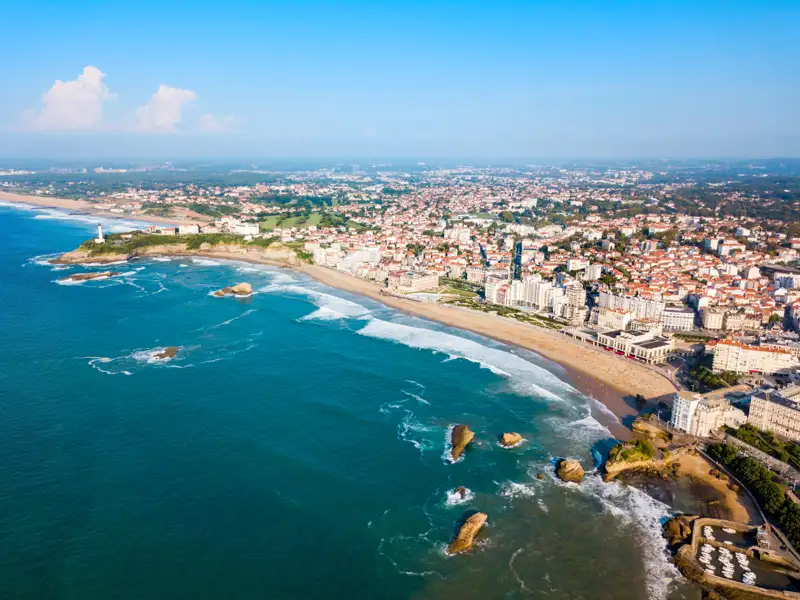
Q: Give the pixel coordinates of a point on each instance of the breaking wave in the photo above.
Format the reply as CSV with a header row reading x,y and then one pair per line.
x,y
205,262
644,514
454,498
500,362
330,307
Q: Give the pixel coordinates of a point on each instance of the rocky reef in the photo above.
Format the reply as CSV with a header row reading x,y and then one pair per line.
x,y
569,470
511,439
76,277
466,534
459,438
240,289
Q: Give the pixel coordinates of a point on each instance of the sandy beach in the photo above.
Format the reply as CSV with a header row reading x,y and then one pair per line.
x,y
88,207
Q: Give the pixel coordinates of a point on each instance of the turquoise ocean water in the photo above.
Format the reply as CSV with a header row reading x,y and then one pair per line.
x,y
295,448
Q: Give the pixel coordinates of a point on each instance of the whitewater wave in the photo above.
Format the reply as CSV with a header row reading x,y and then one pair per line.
x,y
151,357
330,307
604,410
501,362
645,515
512,489
44,260
586,430
454,498
411,430
447,454
205,262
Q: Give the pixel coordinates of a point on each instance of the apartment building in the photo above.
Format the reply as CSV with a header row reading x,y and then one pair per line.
x,y
407,282
736,357
700,415
677,318
777,411
640,308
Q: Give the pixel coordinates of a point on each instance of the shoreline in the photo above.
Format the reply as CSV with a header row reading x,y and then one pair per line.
x,y
607,379
611,383
87,207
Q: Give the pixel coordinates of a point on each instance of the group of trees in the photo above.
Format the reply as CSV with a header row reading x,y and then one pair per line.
x,y
711,380
763,484
788,452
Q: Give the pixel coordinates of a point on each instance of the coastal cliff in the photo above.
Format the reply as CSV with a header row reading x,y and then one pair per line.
x,y
275,253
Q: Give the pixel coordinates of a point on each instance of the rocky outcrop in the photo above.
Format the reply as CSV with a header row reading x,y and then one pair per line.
x,y
83,257
678,530
276,254
240,289
509,440
462,491
459,438
75,277
569,470
167,353
466,534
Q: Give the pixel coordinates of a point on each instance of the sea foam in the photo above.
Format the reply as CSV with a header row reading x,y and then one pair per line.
x,y
330,307
635,509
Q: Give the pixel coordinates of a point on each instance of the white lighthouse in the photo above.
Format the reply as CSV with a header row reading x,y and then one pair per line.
x,y
99,239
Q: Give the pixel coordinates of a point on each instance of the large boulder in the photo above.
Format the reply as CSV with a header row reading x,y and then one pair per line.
x,y
88,276
462,491
569,470
240,289
459,438
511,439
466,534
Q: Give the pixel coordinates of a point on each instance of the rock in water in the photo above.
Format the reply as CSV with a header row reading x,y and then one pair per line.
x,y
570,469
89,276
510,439
461,491
240,289
166,353
469,529
461,436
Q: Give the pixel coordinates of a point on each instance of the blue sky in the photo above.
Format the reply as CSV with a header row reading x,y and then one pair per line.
x,y
481,80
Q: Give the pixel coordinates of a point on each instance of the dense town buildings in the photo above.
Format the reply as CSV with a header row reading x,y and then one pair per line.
x,y
777,411
613,249
701,415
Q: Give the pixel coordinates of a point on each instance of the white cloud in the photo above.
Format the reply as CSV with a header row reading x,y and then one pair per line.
x,y
210,123
76,104
164,110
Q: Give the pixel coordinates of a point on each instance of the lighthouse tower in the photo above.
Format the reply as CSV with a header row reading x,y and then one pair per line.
x,y
99,239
